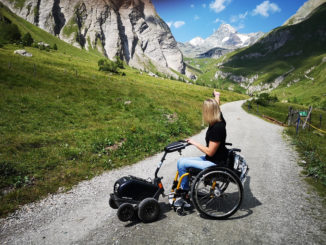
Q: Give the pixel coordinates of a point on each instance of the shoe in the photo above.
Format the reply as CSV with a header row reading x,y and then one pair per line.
x,y
180,202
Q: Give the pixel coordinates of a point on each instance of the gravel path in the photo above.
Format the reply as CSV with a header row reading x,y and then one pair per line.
x,y
278,208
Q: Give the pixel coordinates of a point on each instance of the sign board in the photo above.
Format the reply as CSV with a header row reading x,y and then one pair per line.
x,y
303,113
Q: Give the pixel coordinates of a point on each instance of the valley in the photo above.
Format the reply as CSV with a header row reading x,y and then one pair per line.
x,y
105,85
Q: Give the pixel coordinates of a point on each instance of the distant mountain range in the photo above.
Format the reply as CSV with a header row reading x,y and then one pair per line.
x,y
224,40
289,61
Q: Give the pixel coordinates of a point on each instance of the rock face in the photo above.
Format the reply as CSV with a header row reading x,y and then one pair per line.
x,y
304,12
226,37
23,52
130,29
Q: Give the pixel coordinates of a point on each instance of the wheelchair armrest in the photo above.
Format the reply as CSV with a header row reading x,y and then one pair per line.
x,y
236,149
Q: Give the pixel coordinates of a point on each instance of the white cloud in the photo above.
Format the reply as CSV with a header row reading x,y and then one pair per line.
x,y
204,5
217,20
192,5
239,17
243,16
219,5
178,24
265,8
196,17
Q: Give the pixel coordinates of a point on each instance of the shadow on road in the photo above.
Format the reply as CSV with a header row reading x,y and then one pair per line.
x,y
249,201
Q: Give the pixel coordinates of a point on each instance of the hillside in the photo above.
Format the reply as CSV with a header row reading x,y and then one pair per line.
x,y
63,121
290,60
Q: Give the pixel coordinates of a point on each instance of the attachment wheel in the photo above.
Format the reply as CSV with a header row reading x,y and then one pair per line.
x,y
125,212
112,204
148,210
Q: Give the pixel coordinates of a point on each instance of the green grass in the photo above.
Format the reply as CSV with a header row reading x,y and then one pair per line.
x,y
60,115
310,143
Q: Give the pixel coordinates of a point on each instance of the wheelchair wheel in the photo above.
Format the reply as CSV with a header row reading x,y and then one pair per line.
x,y
217,192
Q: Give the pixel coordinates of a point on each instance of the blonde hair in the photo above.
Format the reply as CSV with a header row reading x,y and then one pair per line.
x,y
211,111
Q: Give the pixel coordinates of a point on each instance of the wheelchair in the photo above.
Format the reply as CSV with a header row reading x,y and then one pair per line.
x,y
216,192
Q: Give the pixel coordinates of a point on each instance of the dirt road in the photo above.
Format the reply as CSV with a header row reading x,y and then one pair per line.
x,y
278,206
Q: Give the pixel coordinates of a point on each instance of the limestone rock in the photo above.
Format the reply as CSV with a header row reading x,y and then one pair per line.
x,y
23,52
130,29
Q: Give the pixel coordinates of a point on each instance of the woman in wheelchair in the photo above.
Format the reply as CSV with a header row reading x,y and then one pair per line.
x,y
215,151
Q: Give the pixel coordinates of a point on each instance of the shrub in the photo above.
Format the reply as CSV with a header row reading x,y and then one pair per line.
x,y
119,62
55,47
264,99
27,40
107,65
9,33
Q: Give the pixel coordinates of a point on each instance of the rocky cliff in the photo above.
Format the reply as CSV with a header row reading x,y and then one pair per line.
x,y
304,12
130,29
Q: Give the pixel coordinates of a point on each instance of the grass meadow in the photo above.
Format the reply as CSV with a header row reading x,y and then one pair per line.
x,y
63,121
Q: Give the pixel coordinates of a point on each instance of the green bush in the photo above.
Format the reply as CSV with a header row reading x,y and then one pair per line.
x,y
55,47
264,99
9,33
27,40
119,62
107,65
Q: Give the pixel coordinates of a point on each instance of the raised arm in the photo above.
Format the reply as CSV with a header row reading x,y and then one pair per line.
x,y
217,96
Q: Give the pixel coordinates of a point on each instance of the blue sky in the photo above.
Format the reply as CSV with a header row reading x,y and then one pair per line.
x,y
191,18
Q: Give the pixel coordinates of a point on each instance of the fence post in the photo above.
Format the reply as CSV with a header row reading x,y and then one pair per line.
x,y
290,116
34,70
9,65
308,116
257,108
298,122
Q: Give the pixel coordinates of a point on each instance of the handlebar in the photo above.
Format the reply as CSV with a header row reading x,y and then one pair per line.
x,y
176,146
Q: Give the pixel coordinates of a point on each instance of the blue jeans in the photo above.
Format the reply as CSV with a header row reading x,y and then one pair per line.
x,y
191,162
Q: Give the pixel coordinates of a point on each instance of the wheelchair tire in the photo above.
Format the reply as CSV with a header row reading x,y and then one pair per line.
x,y
224,199
125,212
148,210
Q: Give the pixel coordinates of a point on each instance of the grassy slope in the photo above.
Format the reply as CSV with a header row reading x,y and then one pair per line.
x,y
308,41
56,127
205,69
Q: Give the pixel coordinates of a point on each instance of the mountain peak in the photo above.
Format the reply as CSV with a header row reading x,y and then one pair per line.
x,y
226,28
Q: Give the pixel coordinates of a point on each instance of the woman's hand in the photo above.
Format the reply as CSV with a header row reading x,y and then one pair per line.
x,y
192,142
216,96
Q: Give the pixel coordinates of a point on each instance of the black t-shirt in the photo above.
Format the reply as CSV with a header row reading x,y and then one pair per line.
x,y
217,133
